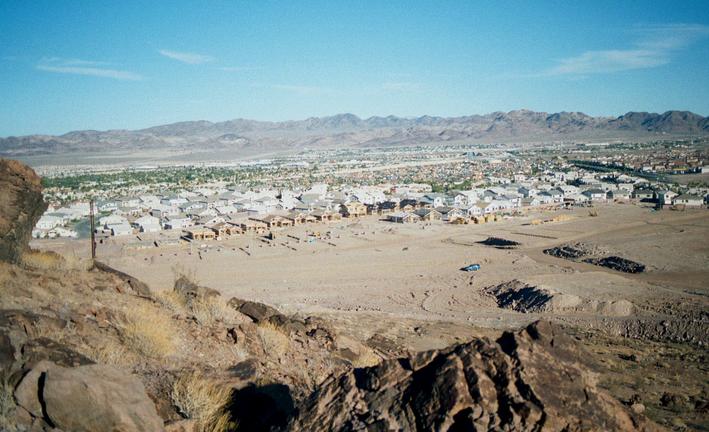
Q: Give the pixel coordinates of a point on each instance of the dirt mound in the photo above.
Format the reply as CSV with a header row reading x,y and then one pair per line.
x,y
581,252
617,263
499,243
530,380
520,297
573,251
21,206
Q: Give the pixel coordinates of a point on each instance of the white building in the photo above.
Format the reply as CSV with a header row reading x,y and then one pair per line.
x,y
147,223
47,222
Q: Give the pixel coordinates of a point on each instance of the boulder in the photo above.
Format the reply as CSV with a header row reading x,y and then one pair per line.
x,y
106,399
530,380
39,349
138,286
190,290
27,392
256,311
21,206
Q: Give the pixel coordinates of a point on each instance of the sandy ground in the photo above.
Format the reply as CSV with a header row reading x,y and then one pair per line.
x,y
372,270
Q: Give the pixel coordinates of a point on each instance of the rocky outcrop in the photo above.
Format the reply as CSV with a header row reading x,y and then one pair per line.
x,y
530,380
21,206
138,286
87,398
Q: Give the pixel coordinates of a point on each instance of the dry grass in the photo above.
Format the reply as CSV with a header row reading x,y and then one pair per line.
x,y
172,301
204,400
112,353
210,310
43,260
275,343
205,310
48,260
149,331
366,357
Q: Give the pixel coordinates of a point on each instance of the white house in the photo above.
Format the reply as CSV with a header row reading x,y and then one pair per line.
x,y
666,196
113,219
177,222
595,194
147,223
688,200
120,229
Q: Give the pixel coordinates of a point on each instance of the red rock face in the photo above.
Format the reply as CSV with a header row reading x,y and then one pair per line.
x,y
530,380
21,206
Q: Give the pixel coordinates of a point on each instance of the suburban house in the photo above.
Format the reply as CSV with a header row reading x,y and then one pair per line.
x,y
595,194
665,197
434,200
388,207
326,216
274,221
301,217
147,223
409,204
688,200
450,213
619,194
177,222
251,226
643,194
403,217
113,219
121,229
353,209
428,215
200,233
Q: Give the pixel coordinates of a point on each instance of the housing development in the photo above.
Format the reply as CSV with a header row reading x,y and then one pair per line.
x,y
474,187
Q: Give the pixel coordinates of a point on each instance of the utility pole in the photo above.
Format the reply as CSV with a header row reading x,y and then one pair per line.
x,y
93,232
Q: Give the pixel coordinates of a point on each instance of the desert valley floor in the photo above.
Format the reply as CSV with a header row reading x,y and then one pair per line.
x,y
394,272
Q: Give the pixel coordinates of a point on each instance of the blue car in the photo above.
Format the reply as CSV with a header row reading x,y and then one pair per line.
x,y
471,267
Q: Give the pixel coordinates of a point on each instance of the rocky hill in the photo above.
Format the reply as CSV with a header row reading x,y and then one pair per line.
x,y
348,130
85,348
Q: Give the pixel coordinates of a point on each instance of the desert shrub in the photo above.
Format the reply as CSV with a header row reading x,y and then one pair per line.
x,y
149,331
366,357
180,271
275,343
204,400
207,310
43,260
171,300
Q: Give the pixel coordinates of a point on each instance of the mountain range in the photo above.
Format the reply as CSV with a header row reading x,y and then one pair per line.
x,y
348,130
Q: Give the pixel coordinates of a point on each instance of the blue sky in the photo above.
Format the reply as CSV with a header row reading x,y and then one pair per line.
x,y
69,65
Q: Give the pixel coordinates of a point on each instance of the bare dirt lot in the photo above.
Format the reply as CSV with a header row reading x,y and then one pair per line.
x,y
413,270
400,288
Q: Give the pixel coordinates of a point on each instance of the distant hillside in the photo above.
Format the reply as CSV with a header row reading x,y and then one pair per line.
x,y
348,130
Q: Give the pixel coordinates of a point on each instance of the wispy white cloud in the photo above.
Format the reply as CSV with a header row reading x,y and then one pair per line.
x,y
186,57
653,46
85,67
